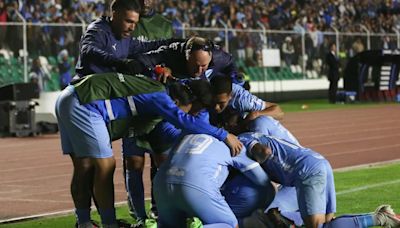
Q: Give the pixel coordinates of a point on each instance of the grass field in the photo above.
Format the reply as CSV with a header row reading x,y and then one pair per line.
x,y
358,191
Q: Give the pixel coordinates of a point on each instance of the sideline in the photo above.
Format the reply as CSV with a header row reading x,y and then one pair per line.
x,y
350,168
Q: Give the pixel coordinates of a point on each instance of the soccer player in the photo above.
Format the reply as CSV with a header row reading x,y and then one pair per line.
x,y
311,174
100,108
151,26
197,96
188,182
226,94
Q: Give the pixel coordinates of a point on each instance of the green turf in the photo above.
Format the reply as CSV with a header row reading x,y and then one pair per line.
x,y
319,104
381,183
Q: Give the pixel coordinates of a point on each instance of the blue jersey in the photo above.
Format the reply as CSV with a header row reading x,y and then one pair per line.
x,y
165,134
154,104
201,162
99,48
243,101
288,162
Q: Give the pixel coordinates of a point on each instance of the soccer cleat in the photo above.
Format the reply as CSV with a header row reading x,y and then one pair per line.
x,y
153,214
386,217
140,223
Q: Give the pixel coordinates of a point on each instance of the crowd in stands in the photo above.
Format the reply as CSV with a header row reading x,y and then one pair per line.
x,y
311,16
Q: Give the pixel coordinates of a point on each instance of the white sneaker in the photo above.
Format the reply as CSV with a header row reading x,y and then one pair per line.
x,y
386,217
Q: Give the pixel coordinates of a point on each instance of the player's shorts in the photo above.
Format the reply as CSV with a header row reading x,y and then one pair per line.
x,y
244,197
130,147
316,192
176,202
83,132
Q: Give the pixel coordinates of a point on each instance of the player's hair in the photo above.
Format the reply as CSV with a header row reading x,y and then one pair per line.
x,y
201,89
198,43
221,84
190,91
123,5
178,91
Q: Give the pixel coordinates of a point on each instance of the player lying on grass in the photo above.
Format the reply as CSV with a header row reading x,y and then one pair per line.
x,y
188,182
312,176
100,108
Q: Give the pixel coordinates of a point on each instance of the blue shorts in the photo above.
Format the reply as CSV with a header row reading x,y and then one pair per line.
x,y
83,132
176,202
244,197
316,193
130,147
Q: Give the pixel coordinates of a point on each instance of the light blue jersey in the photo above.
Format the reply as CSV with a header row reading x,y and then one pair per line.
x,y
288,161
188,183
293,165
202,161
243,101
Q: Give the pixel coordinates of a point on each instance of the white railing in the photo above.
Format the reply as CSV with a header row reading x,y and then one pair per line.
x,y
309,47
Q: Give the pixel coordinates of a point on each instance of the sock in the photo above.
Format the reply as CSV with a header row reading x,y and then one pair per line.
x,y
217,225
107,216
352,221
134,183
82,215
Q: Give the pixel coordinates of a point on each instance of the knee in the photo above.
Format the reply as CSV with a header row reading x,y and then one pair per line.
x,y
135,163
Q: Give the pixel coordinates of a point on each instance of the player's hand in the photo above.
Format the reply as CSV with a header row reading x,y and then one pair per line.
x,y
252,115
259,153
234,144
129,66
164,75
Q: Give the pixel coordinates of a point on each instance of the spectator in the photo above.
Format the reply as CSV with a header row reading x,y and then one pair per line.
x,y
39,75
332,62
288,51
64,68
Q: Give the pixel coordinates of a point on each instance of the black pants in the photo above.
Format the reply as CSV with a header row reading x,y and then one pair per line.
x,y
333,87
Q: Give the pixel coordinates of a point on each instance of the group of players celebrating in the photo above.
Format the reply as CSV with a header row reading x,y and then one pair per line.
x,y
221,153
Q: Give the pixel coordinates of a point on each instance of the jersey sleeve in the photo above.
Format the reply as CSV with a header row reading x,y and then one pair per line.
x,y
244,101
250,168
136,46
165,107
163,136
92,47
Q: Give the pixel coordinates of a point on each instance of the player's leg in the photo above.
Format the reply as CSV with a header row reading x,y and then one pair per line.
x,y
104,189
383,216
81,188
134,158
84,135
153,171
210,209
168,204
312,196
